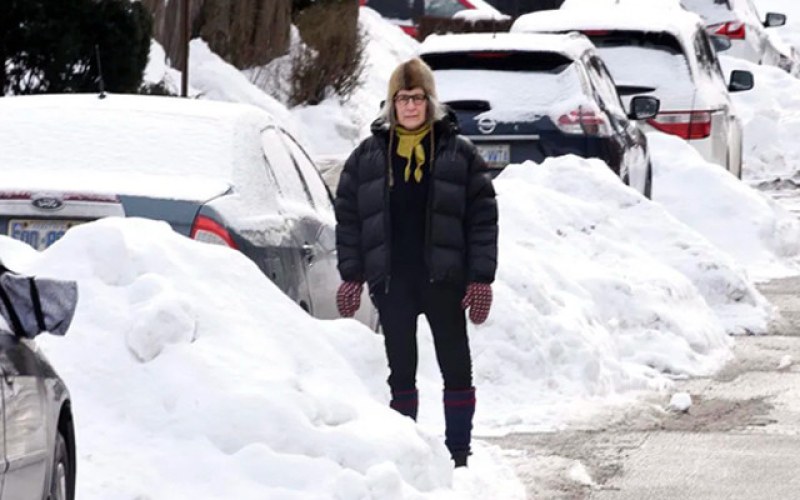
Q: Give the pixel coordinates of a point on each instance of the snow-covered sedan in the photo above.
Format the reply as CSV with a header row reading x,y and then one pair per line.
x,y
529,97
665,53
217,172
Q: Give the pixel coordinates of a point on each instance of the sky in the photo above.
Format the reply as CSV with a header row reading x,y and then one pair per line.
x,y
192,376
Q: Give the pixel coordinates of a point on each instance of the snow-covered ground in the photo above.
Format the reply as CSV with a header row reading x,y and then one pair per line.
x,y
194,377
181,349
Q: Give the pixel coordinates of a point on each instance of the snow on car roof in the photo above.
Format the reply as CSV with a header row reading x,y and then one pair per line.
x,y
572,45
125,134
134,103
484,6
626,16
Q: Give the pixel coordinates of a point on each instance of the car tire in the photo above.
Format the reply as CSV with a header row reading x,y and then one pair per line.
x,y
62,478
648,182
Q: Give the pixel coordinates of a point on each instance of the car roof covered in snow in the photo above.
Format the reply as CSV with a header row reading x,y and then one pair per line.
x,y
126,136
622,17
119,103
570,45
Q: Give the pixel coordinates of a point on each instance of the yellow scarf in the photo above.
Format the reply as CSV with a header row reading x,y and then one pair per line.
x,y
409,142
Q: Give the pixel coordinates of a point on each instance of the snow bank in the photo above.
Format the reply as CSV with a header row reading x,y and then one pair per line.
x,y
590,301
193,376
744,223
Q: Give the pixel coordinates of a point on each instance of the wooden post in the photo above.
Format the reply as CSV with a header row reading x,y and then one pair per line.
x,y
185,44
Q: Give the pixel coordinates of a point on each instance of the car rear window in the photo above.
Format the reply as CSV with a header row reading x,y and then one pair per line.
x,y
392,9
517,85
645,60
551,62
712,11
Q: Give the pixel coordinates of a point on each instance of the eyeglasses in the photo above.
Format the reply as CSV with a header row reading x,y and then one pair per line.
x,y
406,99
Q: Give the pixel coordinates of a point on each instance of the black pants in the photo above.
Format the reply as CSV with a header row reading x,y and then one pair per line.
x,y
410,294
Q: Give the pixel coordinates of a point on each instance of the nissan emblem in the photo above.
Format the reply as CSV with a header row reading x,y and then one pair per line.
x,y
486,125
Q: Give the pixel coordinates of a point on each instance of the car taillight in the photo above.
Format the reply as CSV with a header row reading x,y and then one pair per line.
x,y
591,33
585,122
734,30
684,124
410,30
210,231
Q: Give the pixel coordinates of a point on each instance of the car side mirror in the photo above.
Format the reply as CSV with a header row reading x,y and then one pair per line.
x,y
740,80
774,20
720,43
644,107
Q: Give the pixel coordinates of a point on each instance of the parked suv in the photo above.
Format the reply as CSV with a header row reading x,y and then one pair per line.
x,y
528,97
739,21
666,54
221,173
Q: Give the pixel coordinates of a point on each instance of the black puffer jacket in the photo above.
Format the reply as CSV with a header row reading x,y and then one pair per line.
x,y
461,233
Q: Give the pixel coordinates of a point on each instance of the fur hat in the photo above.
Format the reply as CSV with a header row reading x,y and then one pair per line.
x,y
409,75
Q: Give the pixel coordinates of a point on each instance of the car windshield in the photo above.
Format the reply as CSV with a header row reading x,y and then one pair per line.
x,y
517,85
443,8
712,11
645,61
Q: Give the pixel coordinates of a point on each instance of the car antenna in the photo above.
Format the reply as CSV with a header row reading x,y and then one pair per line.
x,y
100,80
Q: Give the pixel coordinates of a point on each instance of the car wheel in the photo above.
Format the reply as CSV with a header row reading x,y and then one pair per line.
x,y
61,479
648,182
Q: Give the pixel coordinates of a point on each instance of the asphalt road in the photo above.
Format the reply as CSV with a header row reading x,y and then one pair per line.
x,y
739,440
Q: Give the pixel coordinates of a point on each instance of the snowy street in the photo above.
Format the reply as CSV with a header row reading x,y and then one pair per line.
x,y
638,343
739,440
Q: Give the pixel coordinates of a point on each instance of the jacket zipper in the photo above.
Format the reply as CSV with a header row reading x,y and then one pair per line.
x,y
429,209
387,220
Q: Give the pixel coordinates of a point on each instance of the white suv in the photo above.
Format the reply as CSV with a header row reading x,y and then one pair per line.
x,y
739,21
665,53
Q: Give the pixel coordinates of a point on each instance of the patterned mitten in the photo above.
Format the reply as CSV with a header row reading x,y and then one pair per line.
x,y
479,300
348,298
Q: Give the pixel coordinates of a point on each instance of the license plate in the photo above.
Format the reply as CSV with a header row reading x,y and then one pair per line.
x,y
39,234
495,155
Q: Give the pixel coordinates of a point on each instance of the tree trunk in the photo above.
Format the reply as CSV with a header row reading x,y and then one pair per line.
x,y
245,33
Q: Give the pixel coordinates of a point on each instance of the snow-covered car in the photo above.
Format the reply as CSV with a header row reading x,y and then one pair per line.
x,y
666,53
407,13
529,97
217,172
38,445
739,21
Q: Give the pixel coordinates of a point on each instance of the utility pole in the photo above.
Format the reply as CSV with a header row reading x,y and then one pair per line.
x,y
185,45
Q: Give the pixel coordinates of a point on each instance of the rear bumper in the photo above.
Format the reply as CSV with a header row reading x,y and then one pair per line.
x,y
537,148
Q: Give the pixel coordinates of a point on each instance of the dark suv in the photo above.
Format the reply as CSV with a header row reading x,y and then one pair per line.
x,y
528,97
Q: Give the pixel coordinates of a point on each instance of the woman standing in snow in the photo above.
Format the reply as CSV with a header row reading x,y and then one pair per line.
x,y
417,220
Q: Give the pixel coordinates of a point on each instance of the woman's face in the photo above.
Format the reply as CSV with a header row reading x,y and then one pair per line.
x,y
411,108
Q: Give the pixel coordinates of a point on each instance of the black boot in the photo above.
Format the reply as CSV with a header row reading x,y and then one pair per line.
x,y
459,408
405,403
